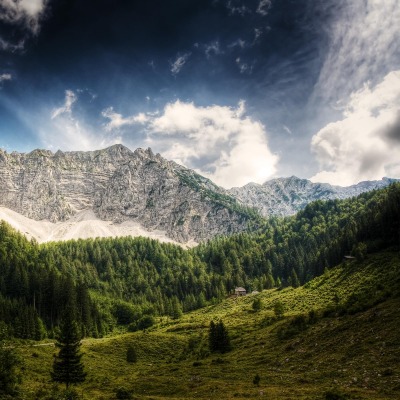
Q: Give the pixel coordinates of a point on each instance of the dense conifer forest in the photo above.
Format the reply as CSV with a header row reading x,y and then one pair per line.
x,y
128,281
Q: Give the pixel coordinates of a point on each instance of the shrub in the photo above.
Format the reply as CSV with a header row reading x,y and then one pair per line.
x,y
123,394
279,309
335,394
131,355
256,380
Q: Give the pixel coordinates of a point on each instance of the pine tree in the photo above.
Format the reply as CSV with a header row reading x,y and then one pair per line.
x,y
176,308
212,336
224,343
67,366
131,355
218,337
294,280
9,363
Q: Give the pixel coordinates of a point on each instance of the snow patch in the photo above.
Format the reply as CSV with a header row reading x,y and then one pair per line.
x,y
82,225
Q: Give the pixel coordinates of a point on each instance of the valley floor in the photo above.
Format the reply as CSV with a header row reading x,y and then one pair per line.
x,y
339,339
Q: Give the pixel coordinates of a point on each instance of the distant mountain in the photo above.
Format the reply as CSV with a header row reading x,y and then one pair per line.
x,y
118,185
286,196
117,192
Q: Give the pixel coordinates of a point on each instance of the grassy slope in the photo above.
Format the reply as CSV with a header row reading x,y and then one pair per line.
x,y
357,355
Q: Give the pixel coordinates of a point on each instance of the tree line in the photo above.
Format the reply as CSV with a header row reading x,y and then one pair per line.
x,y
128,281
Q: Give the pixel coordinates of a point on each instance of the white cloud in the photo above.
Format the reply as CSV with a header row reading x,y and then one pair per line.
x,y
178,64
219,142
263,7
67,132
238,43
5,77
244,68
287,129
8,46
213,48
363,43
117,121
27,11
70,99
365,144
257,34
240,9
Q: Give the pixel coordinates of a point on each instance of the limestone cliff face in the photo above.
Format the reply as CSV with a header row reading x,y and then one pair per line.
x,y
119,185
286,196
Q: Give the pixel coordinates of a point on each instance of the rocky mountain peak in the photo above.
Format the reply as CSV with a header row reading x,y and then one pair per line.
x,y
118,185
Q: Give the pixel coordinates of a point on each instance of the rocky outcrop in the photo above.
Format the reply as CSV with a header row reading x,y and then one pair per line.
x,y
286,196
119,185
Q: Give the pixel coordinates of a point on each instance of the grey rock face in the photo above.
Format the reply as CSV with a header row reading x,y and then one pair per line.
x,y
286,196
118,185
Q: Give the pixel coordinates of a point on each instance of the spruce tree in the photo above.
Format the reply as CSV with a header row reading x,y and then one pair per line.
x,y
67,366
9,363
224,343
218,337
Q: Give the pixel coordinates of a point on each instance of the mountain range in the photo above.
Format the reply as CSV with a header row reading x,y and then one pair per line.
x,y
119,192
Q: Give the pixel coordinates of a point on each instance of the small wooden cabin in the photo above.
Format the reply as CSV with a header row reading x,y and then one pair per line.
x,y
239,291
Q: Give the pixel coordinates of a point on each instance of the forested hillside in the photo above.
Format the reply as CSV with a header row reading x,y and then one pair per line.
x,y
126,281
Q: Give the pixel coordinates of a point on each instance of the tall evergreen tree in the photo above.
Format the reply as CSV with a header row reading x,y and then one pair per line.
x,y
67,366
218,337
9,363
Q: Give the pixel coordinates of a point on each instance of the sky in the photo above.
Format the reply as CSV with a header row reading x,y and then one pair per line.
x,y
239,90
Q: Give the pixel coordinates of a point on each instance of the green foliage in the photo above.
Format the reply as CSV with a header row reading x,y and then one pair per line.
x,y
125,313
68,366
256,380
145,322
279,309
335,394
333,351
218,337
123,394
9,375
119,281
359,251
257,304
131,355
296,325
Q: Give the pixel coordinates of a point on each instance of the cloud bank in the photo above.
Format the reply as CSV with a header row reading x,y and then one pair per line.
x,y
365,144
28,12
219,142
363,43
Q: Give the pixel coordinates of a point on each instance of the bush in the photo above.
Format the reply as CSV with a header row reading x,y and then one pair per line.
x,y
295,326
257,304
145,322
125,313
256,380
70,394
335,394
131,355
279,309
123,394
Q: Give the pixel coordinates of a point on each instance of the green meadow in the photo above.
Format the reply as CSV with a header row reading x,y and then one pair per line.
x,y
338,338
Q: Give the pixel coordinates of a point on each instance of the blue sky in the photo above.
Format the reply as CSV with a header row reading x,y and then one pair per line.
x,y
238,90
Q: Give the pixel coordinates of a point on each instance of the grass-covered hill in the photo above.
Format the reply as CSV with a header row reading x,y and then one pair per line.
x,y
319,328
338,338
